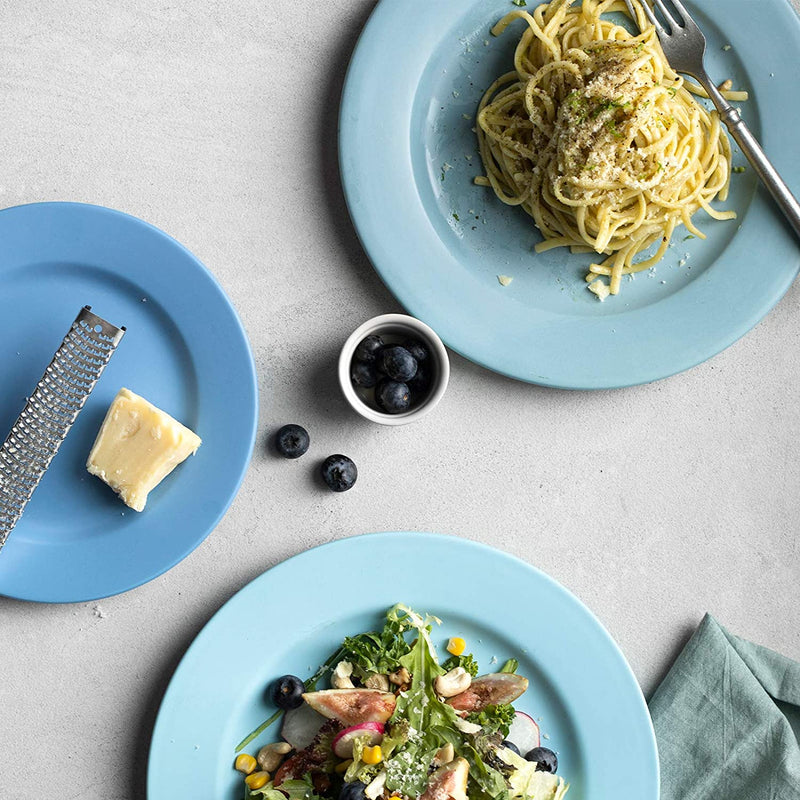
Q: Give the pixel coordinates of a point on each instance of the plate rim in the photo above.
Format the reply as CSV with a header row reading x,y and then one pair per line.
x,y
38,594
350,148
182,672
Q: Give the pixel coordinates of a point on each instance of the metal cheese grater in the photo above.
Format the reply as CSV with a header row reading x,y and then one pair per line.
x,y
51,410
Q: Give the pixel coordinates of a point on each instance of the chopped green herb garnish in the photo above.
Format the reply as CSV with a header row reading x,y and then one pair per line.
x,y
520,3
611,127
512,665
466,661
494,718
455,217
739,169
688,236
638,49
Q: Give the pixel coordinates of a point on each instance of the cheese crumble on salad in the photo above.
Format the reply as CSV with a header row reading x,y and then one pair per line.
x,y
398,724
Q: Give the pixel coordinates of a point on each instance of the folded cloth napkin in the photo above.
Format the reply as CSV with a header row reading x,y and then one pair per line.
x,y
727,721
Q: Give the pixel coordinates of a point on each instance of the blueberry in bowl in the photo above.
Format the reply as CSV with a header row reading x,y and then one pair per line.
x,y
393,397
397,363
368,349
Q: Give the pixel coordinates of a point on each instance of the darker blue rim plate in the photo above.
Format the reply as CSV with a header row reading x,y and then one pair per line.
x,y
185,350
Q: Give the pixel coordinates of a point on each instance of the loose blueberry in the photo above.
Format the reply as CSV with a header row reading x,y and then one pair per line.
x,y
511,746
417,348
546,760
392,397
291,441
339,472
287,692
352,791
363,374
368,349
397,363
420,383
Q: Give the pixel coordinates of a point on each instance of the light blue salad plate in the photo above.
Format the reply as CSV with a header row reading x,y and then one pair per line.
x,y
408,157
291,618
184,350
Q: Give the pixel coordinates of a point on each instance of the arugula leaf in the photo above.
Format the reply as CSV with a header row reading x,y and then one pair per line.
x,y
467,661
379,651
512,665
296,790
484,781
300,789
431,722
494,718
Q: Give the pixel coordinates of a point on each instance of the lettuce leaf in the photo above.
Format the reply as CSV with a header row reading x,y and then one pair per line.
x,y
528,783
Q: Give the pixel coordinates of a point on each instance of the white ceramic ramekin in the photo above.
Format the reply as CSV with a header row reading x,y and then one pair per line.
x,y
396,325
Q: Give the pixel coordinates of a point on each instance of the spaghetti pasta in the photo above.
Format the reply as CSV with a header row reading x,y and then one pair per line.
x,y
598,139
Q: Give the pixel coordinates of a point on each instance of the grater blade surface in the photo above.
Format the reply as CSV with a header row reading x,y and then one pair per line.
x,y
51,410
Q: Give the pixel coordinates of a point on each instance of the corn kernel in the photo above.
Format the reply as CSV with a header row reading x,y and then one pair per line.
x,y
344,765
245,763
372,755
456,646
395,797
257,780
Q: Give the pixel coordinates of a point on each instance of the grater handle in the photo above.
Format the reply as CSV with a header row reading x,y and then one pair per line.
x,y
51,410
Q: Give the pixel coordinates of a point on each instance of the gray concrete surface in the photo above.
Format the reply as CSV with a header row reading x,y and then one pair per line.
x,y
216,122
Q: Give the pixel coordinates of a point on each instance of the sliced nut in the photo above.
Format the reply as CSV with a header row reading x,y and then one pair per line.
x,y
270,756
444,755
340,677
377,681
452,683
401,677
466,727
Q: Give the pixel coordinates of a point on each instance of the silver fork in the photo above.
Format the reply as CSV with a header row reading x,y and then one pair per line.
x,y
684,46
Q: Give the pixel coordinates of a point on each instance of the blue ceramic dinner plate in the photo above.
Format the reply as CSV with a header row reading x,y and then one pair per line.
x,y
408,157
184,350
291,618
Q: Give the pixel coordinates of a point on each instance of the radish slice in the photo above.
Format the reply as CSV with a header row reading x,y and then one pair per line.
x,y
523,732
300,726
343,742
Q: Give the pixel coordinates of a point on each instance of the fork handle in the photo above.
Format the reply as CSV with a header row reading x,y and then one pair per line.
x,y
755,155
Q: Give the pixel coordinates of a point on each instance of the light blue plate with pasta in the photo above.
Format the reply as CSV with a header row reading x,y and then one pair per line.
x,y
290,619
409,155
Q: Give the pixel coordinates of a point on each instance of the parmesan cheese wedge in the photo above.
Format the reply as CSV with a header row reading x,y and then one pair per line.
x,y
137,446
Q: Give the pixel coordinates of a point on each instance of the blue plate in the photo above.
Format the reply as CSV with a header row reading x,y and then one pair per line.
x,y
408,156
293,617
185,351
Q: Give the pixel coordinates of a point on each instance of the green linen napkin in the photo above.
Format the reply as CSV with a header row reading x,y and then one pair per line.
x,y
727,721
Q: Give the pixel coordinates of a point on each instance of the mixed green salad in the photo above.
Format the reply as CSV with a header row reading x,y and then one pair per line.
x,y
398,724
